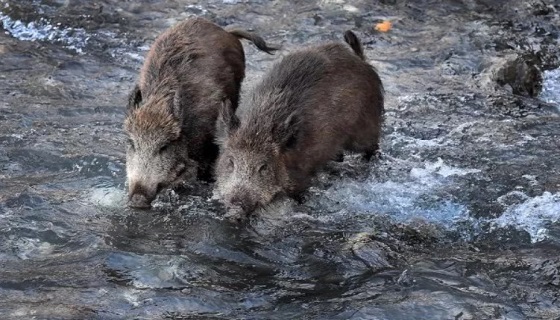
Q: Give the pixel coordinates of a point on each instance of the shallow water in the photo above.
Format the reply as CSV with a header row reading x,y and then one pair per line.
x,y
458,219
551,87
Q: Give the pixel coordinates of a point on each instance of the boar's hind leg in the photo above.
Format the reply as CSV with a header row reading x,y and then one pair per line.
x,y
369,153
299,198
339,157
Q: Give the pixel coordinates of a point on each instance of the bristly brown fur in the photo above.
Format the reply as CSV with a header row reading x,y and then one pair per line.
x,y
308,109
153,124
189,71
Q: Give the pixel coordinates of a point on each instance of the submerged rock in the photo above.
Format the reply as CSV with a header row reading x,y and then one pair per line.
x,y
519,75
374,254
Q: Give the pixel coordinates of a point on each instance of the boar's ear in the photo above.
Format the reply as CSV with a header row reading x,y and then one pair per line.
x,y
288,131
228,121
177,107
134,98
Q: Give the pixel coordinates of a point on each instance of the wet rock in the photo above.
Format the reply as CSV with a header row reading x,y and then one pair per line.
x,y
374,254
517,74
541,8
418,233
24,200
405,279
549,271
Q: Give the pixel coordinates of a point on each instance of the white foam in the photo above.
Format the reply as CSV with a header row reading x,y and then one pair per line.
x,y
327,2
132,297
532,179
406,200
29,248
135,56
350,8
532,215
422,195
397,137
73,38
197,7
108,197
551,87
440,168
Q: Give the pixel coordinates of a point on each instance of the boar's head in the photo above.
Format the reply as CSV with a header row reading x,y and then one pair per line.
x,y
156,155
251,170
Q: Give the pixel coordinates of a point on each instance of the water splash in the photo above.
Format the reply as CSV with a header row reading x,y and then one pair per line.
x,y
532,215
551,87
408,199
74,39
108,197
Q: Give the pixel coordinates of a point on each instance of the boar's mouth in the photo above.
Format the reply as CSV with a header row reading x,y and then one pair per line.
x,y
181,176
140,201
239,210
234,213
142,197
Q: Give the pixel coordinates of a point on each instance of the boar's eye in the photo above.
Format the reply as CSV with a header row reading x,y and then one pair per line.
x,y
182,169
131,143
230,164
263,168
164,148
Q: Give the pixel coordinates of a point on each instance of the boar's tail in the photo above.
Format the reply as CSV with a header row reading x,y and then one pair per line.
x,y
258,41
354,43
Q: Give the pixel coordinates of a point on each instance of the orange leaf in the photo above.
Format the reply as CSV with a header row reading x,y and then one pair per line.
x,y
383,26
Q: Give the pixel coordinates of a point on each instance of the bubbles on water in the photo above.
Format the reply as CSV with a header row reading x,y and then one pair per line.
x,y
404,199
350,8
73,38
108,197
532,215
551,87
146,271
441,169
196,9
425,194
132,297
276,216
29,248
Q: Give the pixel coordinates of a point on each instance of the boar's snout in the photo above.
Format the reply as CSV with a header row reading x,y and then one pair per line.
x,y
139,201
140,197
240,202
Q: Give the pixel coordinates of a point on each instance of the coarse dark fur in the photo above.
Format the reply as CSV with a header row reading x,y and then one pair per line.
x,y
189,71
307,110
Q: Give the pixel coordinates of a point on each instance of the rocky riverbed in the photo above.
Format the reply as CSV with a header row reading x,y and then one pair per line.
x,y
459,218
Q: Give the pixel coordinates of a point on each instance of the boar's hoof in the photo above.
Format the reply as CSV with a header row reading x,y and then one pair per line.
x,y
139,201
339,157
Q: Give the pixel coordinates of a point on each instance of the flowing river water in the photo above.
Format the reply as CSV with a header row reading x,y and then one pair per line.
x,y
459,218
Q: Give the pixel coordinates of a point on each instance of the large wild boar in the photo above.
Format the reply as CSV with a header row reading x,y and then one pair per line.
x,y
307,110
171,120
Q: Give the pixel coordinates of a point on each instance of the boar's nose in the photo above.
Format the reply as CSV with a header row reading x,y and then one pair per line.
x,y
243,202
139,197
139,201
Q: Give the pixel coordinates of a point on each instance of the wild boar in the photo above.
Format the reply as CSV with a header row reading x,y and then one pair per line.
x,y
307,110
171,118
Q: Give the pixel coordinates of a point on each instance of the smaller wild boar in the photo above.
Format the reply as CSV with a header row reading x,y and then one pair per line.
x,y
307,110
190,70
